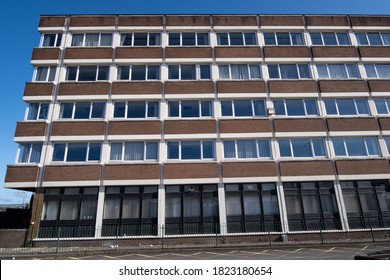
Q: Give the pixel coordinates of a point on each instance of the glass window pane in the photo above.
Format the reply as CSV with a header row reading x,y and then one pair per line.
x,y
222,39
188,72
226,106
368,201
131,208
210,207
239,72
264,148
134,151
270,204
151,150
203,39
346,106
297,39
289,71
351,203
44,111
329,39
149,207
250,39
311,107
279,107
380,106
69,210
154,39
284,148
98,110
52,73
205,72
301,147
338,146
370,70
337,71
236,39
343,39
259,107
24,152
88,210
173,207
251,204
91,40
138,73
173,150
386,38
111,208
191,207
295,107
77,40
153,72
49,40
82,110
94,151
59,152
283,38
189,109
119,109
190,150
206,108
375,39
243,108
174,39
136,109
188,39
362,106
322,71
353,71
153,109
293,205
140,39
362,39
255,71
223,71
304,71
208,149
355,147
310,204
383,70
42,74
330,106
319,147
229,149
77,152
50,210
246,149
233,206
372,146
269,38
33,109
105,39
173,108
71,73
116,151
87,73
36,152
316,38
126,39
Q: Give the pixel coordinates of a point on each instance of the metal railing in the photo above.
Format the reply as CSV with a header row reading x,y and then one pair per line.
x,y
191,236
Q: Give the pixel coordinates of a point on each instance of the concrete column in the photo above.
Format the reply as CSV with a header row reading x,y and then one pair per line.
x,y
222,209
99,212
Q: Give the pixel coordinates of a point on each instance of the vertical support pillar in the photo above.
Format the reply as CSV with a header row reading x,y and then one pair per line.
x,y
99,212
161,210
282,207
341,205
222,209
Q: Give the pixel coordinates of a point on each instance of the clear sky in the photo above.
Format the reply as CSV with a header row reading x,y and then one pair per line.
x,y
19,35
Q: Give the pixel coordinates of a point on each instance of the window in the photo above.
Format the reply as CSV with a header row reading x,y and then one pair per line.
x,y
134,151
311,206
189,72
191,209
338,71
87,73
140,39
45,73
284,38
239,71
30,153
302,147
37,111
136,109
92,40
330,39
243,108
295,107
139,72
373,38
247,149
236,39
190,109
289,71
351,107
382,105
72,152
51,40
378,71
82,110
387,141
191,150
367,203
188,39
356,146
73,209
252,207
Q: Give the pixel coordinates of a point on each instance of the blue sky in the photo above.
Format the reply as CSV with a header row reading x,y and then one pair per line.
x,y
19,22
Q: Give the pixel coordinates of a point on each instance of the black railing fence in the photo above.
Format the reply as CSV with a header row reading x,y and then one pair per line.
x,y
53,240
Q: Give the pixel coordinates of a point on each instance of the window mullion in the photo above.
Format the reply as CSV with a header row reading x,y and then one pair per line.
x,y
146,109
73,110
144,154
290,39
365,146
313,154
180,149
345,147
201,149
285,107
200,109
123,150
236,148
233,108
29,152
87,154
99,39
65,159
291,148
90,110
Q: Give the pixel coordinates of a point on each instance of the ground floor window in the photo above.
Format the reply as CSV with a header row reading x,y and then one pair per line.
x,y
130,211
367,203
252,207
311,206
69,212
191,209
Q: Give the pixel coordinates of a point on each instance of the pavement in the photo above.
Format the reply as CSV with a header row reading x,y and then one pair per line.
x,y
339,252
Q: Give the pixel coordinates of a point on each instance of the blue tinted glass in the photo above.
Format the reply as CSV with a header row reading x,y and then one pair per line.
x,y
206,108
189,109
304,71
375,39
346,107
319,147
153,72
259,107
362,39
295,107
380,105
123,72
242,108
153,109
94,151
82,110
330,106
151,150
236,39
264,148
250,39
362,106
174,39
387,140
173,108
44,111
208,149
226,106
119,109
136,109
353,71
273,71
190,150
229,149
77,152
283,38
98,110
343,39
138,73
66,110
284,148
355,147
223,39
246,149
173,72
279,108
288,71
59,152
173,150
372,146
316,38
329,39
338,146
370,70
269,38
301,147
311,107
33,109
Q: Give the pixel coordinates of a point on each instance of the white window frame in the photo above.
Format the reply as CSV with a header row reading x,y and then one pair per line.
x,y
18,154
197,72
304,107
311,148
65,159
346,70
236,149
96,73
338,110
252,105
57,40
199,105
387,105
48,74
39,111
289,34
249,72
298,71
365,146
196,39
335,34
146,109
122,159
148,39
91,104
368,40
243,38
376,71
201,150
130,67
99,40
